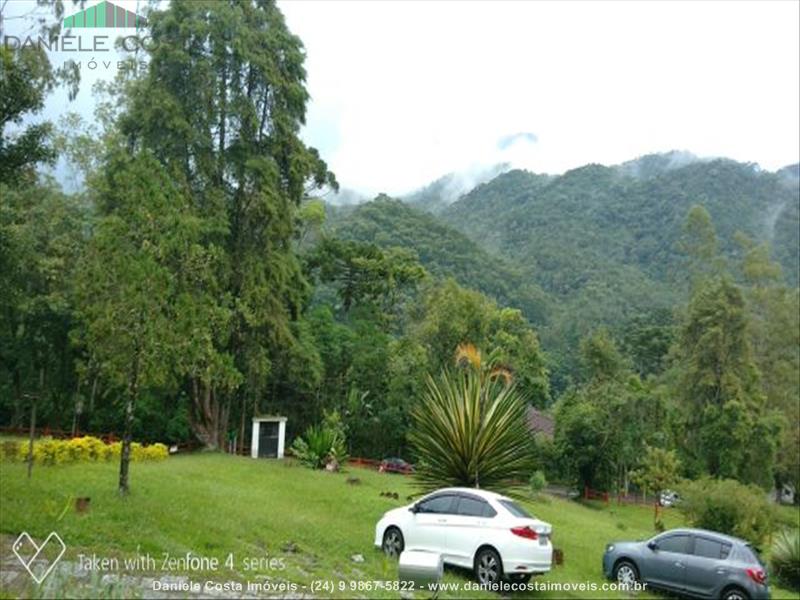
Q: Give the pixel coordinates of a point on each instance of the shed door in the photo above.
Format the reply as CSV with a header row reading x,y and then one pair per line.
x,y
268,440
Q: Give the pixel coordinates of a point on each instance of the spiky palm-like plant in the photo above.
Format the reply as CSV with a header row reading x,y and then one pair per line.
x,y
469,429
786,557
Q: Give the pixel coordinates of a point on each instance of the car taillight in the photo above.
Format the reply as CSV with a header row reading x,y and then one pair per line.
x,y
525,532
757,575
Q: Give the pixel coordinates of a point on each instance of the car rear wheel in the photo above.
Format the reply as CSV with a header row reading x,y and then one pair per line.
x,y
393,542
488,568
626,575
734,594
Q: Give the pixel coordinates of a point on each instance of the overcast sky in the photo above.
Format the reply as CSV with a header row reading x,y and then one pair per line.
x,y
403,92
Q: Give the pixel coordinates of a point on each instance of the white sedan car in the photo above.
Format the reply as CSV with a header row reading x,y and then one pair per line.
x,y
471,528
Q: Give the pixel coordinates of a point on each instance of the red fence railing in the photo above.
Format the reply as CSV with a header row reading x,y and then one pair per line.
x,y
590,494
378,465
370,463
61,434
632,499
108,438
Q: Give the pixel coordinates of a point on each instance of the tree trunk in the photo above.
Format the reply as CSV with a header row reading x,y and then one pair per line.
x,y
204,416
78,409
241,426
130,404
92,396
17,419
30,436
224,420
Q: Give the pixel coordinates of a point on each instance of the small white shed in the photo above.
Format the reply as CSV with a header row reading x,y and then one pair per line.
x,y
268,438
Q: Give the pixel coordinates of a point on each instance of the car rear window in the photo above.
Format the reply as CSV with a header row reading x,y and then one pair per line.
x,y
515,509
470,507
751,555
708,548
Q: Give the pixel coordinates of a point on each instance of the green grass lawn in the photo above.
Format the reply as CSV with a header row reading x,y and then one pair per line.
x,y
217,506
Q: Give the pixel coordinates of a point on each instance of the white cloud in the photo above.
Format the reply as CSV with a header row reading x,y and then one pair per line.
x,y
403,92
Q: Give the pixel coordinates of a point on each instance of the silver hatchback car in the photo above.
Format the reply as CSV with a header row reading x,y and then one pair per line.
x,y
693,562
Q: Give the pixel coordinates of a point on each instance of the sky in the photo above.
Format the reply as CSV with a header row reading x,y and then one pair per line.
x,y
403,92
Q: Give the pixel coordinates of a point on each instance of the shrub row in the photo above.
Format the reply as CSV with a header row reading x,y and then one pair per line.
x,y
49,451
729,507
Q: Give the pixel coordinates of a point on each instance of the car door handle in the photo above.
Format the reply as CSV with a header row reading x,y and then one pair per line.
x,y
441,520
679,564
721,570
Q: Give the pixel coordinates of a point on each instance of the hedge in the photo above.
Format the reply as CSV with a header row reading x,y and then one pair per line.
x,y
49,451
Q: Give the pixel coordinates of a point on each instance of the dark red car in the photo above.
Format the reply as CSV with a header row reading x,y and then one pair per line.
x,y
395,465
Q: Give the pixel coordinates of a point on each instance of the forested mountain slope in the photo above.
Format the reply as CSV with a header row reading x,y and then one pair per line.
x,y
595,246
444,251
589,221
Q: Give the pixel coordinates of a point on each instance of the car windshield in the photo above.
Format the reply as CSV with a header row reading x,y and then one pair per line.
x,y
515,509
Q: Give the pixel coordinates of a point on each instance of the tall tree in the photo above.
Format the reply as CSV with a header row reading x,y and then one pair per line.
x,y
42,232
221,106
25,79
700,246
729,431
127,284
774,332
449,315
603,425
658,472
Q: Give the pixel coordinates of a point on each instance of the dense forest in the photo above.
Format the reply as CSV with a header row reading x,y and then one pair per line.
x,y
200,277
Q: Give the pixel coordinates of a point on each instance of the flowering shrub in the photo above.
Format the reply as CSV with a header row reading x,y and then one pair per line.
x,y
49,451
154,452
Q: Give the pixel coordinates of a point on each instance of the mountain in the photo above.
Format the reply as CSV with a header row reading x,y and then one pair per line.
x,y
595,246
437,196
444,251
790,173
651,165
573,228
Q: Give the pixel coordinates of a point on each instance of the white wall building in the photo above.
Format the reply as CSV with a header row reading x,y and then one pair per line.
x,y
268,438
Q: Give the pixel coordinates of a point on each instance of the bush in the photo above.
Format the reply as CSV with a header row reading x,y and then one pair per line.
x,y
86,448
537,482
48,451
785,557
319,446
156,452
469,429
729,507
9,450
113,450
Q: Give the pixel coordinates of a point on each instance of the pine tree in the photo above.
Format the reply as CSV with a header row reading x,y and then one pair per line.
x,y
729,431
221,106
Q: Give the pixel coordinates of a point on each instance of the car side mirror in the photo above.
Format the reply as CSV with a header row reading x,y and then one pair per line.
x,y
414,508
653,546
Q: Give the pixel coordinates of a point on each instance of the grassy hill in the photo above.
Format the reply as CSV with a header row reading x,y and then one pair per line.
x,y
213,505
